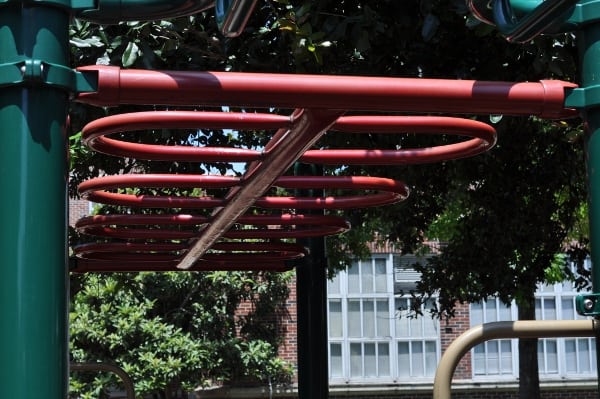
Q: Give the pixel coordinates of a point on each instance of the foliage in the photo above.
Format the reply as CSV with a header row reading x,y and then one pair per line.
x,y
512,221
175,331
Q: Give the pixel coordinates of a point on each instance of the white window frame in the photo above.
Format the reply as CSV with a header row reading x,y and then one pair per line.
x,y
391,340
558,292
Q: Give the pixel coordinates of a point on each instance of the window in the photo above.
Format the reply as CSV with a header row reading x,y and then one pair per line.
x,y
416,340
372,334
493,357
557,357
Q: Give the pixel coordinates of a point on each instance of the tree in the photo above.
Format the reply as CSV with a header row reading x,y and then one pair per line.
x,y
513,216
173,332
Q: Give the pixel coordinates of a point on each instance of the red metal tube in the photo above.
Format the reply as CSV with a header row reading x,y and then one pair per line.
x,y
130,86
278,226
390,191
94,135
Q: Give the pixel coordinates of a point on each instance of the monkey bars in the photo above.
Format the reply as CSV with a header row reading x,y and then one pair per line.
x,y
319,104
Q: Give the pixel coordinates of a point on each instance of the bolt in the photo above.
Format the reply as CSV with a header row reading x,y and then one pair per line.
x,y
588,304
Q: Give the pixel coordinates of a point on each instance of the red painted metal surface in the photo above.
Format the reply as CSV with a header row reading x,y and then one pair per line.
x,y
238,223
183,226
94,135
130,86
96,190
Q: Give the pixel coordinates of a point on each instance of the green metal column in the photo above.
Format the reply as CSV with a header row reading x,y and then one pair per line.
x,y
33,206
311,297
589,49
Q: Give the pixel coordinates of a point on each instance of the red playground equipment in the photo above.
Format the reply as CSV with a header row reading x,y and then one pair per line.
x,y
319,105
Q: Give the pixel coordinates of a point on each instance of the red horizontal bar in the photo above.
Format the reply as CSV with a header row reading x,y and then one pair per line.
x,y
392,191
131,86
279,226
484,137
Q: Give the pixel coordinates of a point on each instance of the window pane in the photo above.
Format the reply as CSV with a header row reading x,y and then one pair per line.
x,y
490,311
402,329
571,355
403,360
551,356
366,270
353,281
418,366
380,276
550,309
370,361
430,358
335,360
333,286
383,318
492,357
504,313
383,361
355,360
505,357
430,327
583,354
538,309
354,329
568,309
476,314
479,359
416,326
368,318
335,318
592,342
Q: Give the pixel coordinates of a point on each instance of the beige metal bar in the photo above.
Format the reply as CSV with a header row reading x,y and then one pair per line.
x,y
286,146
503,329
127,382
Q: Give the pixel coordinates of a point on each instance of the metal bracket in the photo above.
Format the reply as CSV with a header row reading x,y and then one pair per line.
x,y
40,73
588,304
583,97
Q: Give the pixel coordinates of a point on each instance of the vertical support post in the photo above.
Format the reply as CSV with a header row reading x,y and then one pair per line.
x,y
311,296
589,49
33,206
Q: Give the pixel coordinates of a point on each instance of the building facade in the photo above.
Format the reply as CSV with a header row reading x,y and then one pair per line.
x,y
378,342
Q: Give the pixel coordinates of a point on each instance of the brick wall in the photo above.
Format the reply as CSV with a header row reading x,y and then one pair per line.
x,y
78,208
288,350
450,330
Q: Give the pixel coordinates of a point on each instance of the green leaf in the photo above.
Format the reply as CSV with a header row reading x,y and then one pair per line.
x,y
130,54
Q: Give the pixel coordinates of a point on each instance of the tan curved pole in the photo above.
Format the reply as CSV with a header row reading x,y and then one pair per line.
x,y
127,382
499,330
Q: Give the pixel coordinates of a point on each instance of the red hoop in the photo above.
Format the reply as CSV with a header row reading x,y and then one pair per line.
x,y
391,191
301,226
94,135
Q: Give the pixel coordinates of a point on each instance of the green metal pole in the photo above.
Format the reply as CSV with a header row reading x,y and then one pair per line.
x,y
33,178
311,297
589,49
